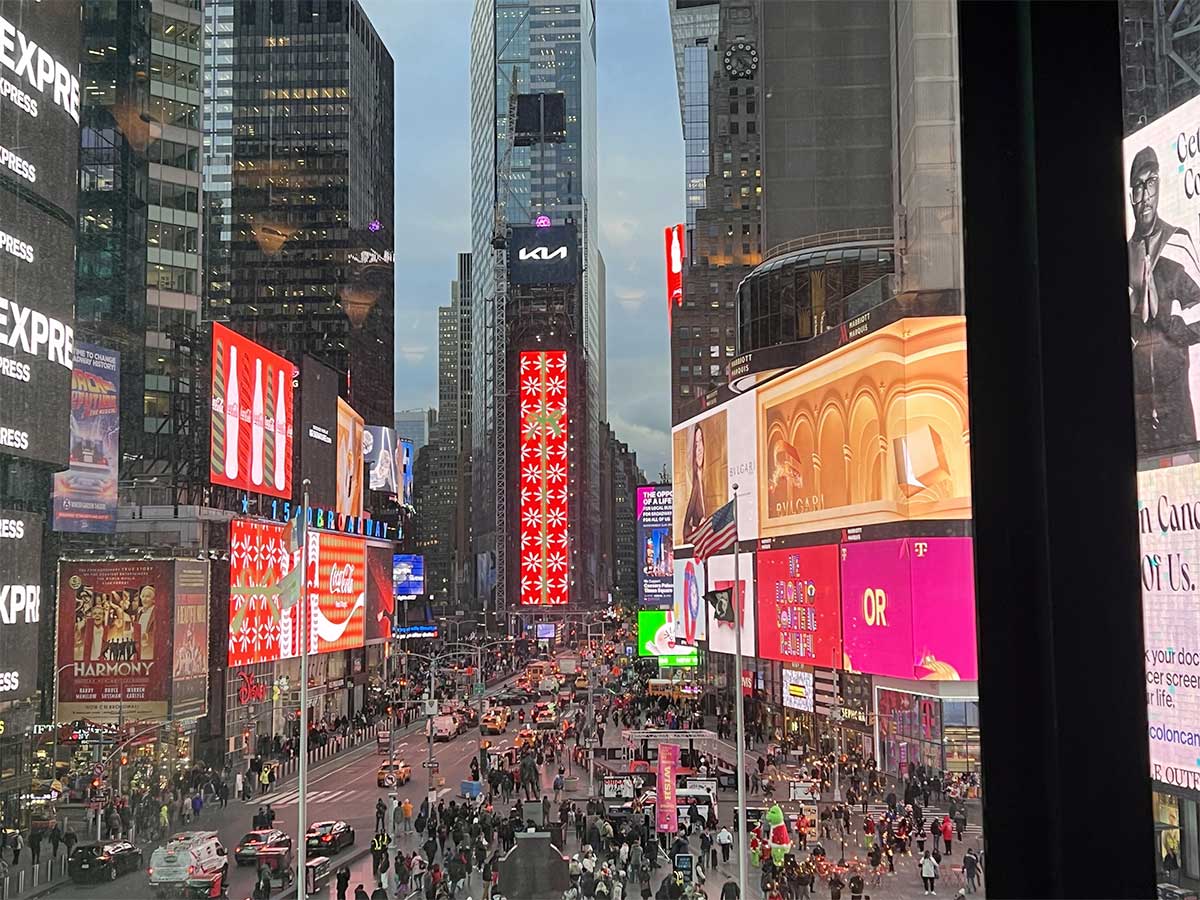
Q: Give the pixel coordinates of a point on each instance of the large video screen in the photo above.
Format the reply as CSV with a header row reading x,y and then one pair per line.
x,y
381,598
407,461
39,119
350,427
337,590
114,639
689,606
872,432
799,606
545,525
251,439
408,575
21,579
656,559
543,255
383,459
656,637
37,337
85,496
721,636
318,431
908,608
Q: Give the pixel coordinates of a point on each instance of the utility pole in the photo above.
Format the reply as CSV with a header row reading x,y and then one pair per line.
x,y
430,706
739,705
302,780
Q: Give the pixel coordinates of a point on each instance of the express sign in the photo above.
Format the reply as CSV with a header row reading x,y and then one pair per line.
x,y
20,602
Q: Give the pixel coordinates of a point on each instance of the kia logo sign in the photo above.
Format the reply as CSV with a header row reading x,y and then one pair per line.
x,y
543,256
542,253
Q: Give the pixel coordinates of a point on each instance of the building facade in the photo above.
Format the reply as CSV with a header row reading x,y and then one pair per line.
x,y
413,424
523,47
139,272
311,192
694,27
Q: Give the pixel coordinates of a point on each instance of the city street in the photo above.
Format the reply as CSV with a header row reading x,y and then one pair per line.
x,y
343,788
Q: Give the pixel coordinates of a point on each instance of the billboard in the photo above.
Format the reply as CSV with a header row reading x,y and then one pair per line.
x,y
263,614
318,430
114,639
691,620
20,603
383,459
1162,220
545,569
799,606
720,577
251,435
408,575
349,460
676,251
85,496
337,590
1170,544
875,431
667,810
39,161
711,453
908,608
656,637
189,647
798,689
655,555
381,601
407,459
543,256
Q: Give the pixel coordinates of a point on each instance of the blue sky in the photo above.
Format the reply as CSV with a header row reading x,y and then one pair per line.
x,y
641,191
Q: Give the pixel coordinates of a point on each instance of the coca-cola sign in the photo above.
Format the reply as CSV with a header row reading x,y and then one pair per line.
x,y
341,579
337,585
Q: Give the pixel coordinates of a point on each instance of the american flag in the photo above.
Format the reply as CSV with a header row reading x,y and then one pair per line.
x,y
717,532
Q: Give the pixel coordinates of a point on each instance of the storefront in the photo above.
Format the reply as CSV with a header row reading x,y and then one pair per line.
x,y
915,729
1176,836
853,715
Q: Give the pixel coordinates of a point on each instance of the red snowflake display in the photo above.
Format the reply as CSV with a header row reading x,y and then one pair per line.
x,y
545,551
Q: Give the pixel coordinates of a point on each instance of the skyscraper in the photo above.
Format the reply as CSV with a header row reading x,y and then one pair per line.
x,y
311,169
413,424
138,265
528,47
694,25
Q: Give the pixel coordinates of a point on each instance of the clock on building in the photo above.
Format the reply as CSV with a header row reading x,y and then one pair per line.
x,y
741,59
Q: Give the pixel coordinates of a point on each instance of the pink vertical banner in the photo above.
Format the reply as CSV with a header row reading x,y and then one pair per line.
x,y
668,765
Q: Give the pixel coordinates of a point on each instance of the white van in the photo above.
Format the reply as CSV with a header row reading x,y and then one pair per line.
x,y
445,728
188,854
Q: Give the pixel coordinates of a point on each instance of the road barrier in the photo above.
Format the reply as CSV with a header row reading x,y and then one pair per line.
x,y
29,877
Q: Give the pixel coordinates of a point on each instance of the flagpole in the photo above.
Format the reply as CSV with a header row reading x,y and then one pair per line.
x,y
739,703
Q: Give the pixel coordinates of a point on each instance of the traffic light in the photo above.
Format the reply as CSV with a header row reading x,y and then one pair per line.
x,y
124,759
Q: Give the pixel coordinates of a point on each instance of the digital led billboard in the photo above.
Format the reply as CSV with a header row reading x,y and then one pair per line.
x,y
711,453
381,597
251,439
545,569
407,461
798,689
85,496
538,256
383,460
799,606
318,387
656,637
114,639
908,608
20,603
720,577
1170,539
349,460
689,608
337,590
189,639
676,252
408,575
656,559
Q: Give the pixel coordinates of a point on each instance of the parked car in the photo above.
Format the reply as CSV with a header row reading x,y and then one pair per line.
x,y
103,861
329,837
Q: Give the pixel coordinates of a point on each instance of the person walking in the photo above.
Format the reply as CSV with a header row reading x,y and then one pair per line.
x,y
380,814
725,842
16,844
929,872
264,780
972,869
406,816
343,882
35,846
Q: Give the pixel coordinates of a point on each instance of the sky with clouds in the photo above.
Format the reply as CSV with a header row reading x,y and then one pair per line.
x,y
640,156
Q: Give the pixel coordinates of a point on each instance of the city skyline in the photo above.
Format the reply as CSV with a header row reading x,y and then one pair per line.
x,y
641,195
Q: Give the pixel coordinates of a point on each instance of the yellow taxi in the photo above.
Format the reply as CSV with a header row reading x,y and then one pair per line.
x,y
581,683
526,737
494,721
393,773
